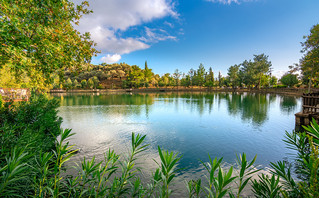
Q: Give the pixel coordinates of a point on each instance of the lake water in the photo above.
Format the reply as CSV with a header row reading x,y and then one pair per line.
x,y
192,124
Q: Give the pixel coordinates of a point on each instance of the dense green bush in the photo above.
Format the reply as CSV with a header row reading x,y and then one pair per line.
x,y
27,129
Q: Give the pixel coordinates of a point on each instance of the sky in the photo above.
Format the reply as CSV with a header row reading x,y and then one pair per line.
x,y
181,34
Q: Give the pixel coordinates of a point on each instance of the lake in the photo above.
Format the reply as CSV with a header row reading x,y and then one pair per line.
x,y
191,124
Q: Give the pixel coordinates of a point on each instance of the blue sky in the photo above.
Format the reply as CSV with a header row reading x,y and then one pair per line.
x,y
171,34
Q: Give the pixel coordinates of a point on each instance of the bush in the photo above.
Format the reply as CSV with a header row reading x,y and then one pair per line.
x,y
27,129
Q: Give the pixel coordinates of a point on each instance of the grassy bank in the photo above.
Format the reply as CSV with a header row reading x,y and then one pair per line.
x,y
34,151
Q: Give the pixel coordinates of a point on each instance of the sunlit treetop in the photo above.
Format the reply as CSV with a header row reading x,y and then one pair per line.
x,y
38,38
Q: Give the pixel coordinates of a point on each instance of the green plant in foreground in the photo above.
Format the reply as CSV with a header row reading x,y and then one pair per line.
x,y
13,172
217,182
267,187
168,170
246,172
127,166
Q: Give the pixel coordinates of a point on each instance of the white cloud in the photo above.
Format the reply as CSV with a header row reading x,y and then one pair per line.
x,y
111,58
122,14
108,42
228,2
111,18
153,35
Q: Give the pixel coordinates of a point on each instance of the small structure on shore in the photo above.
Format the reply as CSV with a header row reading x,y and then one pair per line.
x,y
15,94
310,109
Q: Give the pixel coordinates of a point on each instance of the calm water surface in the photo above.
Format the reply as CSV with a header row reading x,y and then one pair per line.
x,y
192,124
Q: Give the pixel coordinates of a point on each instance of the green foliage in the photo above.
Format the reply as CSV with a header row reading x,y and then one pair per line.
x,y
289,80
309,63
168,170
68,84
90,83
267,187
245,174
217,182
313,130
233,74
39,38
84,84
27,129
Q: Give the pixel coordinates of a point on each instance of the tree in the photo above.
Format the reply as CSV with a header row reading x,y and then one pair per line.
x,y
76,84
90,83
273,81
135,77
38,38
220,79
252,72
176,76
210,78
68,84
84,84
233,74
289,79
262,67
309,63
201,74
95,81
147,73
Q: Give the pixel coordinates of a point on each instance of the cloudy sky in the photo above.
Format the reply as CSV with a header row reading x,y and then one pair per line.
x,y
171,34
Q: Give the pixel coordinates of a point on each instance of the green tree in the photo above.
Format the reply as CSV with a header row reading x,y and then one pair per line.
x,y
262,67
76,84
176,76
68,84
38,38
273,81
84,84
220,79
209,78
233,74
135,77
201,74
90,83
95,82
252,72
309,63
289,79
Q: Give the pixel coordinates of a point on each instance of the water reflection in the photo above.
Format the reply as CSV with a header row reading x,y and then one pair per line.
x,y
288,104
192,124
252,107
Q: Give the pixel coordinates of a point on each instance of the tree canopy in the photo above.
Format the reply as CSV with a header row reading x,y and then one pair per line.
x,y
289,79
309,63
38,38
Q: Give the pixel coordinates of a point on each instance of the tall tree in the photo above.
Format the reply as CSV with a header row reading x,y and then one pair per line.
x,y
252,72
210,78
309,63
176,76
262,66
233,74
38,38
220,79
148,74
201,74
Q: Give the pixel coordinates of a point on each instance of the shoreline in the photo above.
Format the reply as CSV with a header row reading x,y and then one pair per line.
x,y
286,91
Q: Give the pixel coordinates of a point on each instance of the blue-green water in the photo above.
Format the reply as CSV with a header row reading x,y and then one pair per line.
x,y
192,124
